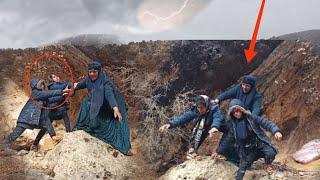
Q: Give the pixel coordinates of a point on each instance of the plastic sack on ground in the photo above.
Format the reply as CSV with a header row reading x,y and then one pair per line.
x,y
308,153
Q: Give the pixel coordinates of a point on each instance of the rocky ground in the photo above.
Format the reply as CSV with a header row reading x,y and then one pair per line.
x,y
289,81
77,156
81,156
206,168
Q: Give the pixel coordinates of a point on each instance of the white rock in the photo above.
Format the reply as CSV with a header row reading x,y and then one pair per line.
x,y
81,156
204,169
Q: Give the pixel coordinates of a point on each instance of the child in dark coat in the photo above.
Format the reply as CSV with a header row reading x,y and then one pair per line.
x,y
60,112
245,132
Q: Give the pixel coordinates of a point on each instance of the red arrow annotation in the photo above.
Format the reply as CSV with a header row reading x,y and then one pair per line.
x,y
250,53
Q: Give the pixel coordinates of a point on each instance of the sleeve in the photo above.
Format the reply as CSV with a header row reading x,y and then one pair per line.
x,y
81,85
109,96
256,107
231,93
56,99
217,118
44,95
267,125
182,119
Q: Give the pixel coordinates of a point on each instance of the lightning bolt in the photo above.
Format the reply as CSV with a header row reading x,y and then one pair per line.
x,y
172,15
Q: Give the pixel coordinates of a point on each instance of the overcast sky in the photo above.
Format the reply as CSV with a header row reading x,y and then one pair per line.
x,y
30,23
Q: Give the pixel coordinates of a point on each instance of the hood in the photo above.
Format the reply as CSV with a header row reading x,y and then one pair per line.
x,y
236,103
35,83
95,65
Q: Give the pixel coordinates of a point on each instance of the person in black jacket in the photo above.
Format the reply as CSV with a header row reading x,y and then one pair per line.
x,y
245,131
32,116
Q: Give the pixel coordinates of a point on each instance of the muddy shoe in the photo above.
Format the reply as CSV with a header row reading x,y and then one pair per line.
x,y
217,156
56,139
34,148
192,154
269,169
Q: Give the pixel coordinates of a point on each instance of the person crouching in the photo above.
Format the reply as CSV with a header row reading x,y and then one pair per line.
x,y
251,140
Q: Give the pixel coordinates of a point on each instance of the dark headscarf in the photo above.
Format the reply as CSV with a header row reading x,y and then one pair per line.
x,y
97,91
249,80
94,65
203,99
248,98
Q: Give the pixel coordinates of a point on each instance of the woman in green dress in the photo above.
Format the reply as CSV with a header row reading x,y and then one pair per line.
x,y
103,112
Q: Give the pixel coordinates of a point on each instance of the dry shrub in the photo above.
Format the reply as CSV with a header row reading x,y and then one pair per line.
x,y
163,147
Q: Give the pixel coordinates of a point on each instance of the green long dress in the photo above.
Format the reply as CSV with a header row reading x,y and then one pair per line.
x,y
104,126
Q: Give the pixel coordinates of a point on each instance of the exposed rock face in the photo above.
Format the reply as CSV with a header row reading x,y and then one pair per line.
x,y
206,66
289,81
12,101
81,156
305,36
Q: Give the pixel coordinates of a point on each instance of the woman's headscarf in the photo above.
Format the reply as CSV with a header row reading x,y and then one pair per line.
x,y
97,91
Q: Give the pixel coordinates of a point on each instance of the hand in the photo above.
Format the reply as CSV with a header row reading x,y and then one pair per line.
x,y
164,127
215,155
75,85
56,139
216,101
278,136
66,91
212,131
117,114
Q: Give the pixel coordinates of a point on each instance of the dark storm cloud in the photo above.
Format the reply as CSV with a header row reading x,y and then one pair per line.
x,y
29,23
34,22
113,10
